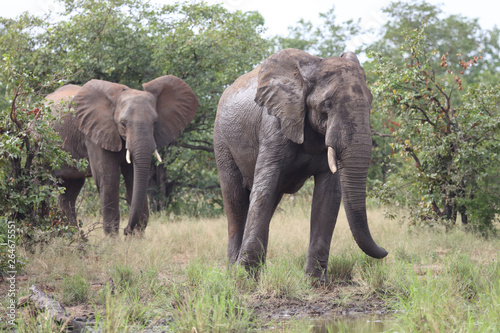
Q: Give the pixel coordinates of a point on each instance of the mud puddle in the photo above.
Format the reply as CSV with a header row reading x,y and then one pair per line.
x,y
345,309
361,323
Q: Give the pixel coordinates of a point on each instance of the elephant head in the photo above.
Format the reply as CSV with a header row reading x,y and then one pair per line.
x,y
330,96
115,117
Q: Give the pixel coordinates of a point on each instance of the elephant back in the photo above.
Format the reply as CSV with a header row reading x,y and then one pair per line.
x,y
66,125
59,101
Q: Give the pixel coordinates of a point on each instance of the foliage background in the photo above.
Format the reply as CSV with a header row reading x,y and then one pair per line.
x,y
133,42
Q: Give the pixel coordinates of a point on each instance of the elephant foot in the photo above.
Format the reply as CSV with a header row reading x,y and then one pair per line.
x,y
111,228
111,232
317,273
321,281
128,231
252,267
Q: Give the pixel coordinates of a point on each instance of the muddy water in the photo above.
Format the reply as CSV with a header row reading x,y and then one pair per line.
x,y
358,324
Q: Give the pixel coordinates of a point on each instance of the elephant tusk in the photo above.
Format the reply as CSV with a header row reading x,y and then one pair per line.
x,y
332,163
157,156
127,157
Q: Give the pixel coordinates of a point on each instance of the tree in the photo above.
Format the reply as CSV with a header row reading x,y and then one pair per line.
x,y
326,39
131,42
453,34
210,49
447,134
29,151
457,36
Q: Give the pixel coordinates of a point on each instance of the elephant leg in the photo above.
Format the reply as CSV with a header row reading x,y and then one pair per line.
x,y
106,173
128,176
264,198
67,200
236,200
324,211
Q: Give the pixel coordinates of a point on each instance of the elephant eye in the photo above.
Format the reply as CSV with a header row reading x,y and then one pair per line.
x,y
328,104
323,117
123,124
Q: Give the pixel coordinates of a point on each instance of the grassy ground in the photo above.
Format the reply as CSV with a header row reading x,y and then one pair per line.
x,y
175,279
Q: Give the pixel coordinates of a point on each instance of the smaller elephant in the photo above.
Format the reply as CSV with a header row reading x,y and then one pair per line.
x,y
118,129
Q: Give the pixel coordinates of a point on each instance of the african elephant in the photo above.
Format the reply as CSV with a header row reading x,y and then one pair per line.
x,y
118,129
292,117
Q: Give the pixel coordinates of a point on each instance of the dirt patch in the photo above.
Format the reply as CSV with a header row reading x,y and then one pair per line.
x,y
330,302
82,312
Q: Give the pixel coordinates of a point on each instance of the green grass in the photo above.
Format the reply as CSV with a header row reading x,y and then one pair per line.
x,y
341,268
281,278
75,289
176,278
211,301
460,296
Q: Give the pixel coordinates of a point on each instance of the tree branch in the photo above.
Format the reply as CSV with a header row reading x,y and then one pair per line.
x,y
424,113
13,115
99,32
195,147
382,135
415,157
54,309
446,110
208,187
436,209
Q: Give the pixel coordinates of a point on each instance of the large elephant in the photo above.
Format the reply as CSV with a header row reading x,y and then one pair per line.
x,y
118,129
292,117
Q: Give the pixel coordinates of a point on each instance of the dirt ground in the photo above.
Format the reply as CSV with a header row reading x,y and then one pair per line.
x,y
333,301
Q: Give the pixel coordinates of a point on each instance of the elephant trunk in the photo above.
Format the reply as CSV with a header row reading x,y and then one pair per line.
x,y
349,143
141,159
353,166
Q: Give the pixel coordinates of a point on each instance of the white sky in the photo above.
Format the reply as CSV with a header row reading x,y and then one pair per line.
x,y
279,14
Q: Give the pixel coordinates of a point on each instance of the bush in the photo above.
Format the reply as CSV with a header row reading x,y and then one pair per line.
x,y
30,150
445,136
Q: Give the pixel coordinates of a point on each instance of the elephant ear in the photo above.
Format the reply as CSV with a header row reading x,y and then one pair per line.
x,y
94,110
283,82
176,105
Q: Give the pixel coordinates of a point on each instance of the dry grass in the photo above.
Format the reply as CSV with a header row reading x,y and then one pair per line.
x,y
161,274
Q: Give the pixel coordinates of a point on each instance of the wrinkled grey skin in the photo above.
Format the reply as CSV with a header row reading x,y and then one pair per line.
x,y
271,133
108,120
